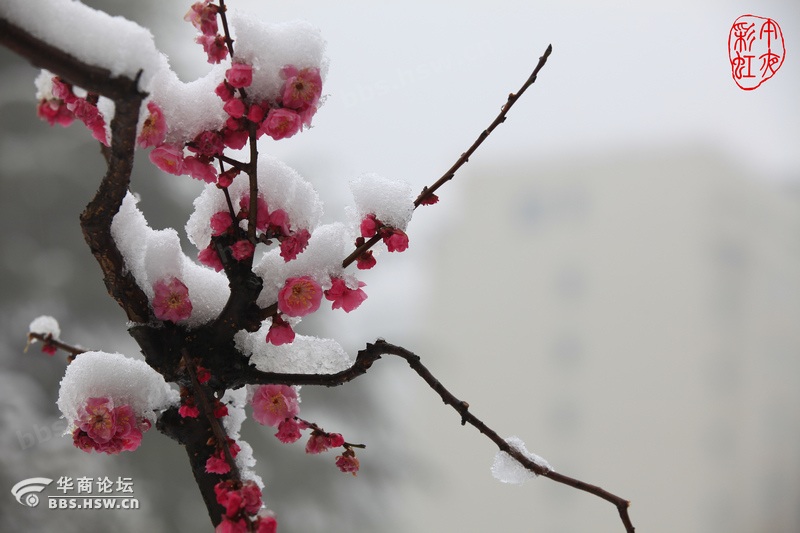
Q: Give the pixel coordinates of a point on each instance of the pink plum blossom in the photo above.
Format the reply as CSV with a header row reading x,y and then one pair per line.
x,y
171,301
292,246
317,443
217,465
234,138
199,169
262,211
97,420
226,178
221,221
207,143
302,88
369,226
281,123
256,112
396,240
348,462
288,431
343,296
242,250
272,404
189,411
279,222
239,75
55,112
210,258
63,91
89,114
280,332
154,129
224,91
231,526
234,107
299,296
203,16
169,158
214,46
366,260
267,524
108,429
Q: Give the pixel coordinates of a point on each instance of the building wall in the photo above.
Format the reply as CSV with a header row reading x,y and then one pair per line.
x,y
632,318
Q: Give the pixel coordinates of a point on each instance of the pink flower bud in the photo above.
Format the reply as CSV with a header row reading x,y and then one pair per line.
x,y
239,75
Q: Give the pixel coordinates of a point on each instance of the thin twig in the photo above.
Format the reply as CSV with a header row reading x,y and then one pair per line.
x,y
427,192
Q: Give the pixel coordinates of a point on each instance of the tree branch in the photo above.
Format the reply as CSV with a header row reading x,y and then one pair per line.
x,y
375,351
427,192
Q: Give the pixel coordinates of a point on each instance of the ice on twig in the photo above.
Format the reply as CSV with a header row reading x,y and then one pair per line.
x,y
508,470
391,201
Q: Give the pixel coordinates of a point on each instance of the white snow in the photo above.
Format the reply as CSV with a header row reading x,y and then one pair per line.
x,y
327,247
306,355
124,380
391,201
270,47
151,255
45,325
236,401
86,34
508,470
279,185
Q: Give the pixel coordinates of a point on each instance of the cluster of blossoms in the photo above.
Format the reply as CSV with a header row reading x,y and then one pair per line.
x,y
62,106
105,428
395,240
243,509
301,296
278,406
203,16
248,119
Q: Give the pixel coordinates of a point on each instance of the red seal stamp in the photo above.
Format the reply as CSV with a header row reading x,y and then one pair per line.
x,y
755,49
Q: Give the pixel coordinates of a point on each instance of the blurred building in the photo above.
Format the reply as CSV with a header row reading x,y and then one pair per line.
x,y
633,318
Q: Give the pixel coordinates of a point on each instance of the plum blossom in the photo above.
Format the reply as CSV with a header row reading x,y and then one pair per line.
x,y
207,143
299,296
154,130
210,258
348,462
240,75
220,222
272,404
105,428
281,123
343,297
171,301
169,158
199,169
369,226
216,464
214,46
242,250
294,245
203,16
280,332
267,524
366,260
302,88
55,111
234,107
289,431
396,240
321,441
